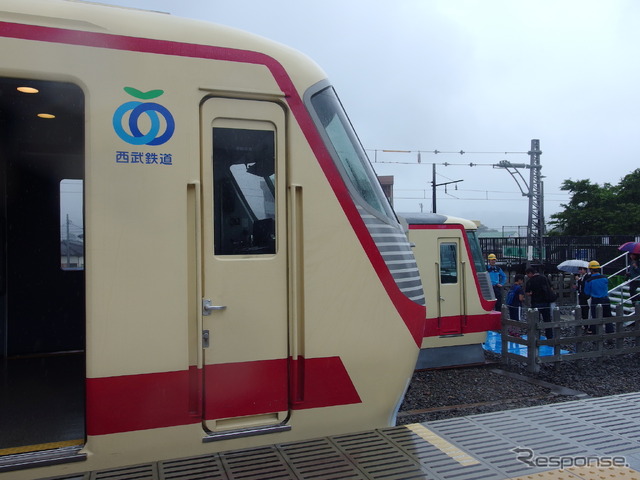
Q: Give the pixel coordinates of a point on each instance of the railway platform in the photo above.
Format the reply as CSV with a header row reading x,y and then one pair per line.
x,y
594,438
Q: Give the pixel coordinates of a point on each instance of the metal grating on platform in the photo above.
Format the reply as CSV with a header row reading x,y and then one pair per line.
x,y
491,446
207,467
486,446
319,459
76,476
262,463
378,458
583,428
605,424
522,433
137,472
439,462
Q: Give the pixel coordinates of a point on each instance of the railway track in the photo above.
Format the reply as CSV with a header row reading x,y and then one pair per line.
x,y
461,391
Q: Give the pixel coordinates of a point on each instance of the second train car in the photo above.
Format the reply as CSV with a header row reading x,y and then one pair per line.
x,y
459,295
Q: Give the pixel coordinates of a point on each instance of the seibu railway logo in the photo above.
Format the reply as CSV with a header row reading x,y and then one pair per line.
x,y
137,115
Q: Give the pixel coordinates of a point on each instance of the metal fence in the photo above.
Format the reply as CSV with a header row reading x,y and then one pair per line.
x,y
562,283
569,342
512,252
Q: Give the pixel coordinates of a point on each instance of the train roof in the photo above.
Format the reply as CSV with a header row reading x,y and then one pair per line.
x,y
437,219
94,17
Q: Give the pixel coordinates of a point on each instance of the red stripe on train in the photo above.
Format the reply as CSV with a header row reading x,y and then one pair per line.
x,y
156,400
461,325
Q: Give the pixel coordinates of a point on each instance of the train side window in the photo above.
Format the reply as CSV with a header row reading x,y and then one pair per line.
x,y
476,251
345,147
448,263
71,225
244,191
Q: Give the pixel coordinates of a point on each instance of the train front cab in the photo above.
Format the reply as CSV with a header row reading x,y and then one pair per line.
x,y
458,290
188,265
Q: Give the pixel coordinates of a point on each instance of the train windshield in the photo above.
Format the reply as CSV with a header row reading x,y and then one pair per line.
x,y
476,251
348,152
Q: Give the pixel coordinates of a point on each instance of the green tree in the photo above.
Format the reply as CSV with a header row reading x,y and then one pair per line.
x,y
600,210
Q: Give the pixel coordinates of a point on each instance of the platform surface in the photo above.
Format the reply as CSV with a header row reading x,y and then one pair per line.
x,y
596,438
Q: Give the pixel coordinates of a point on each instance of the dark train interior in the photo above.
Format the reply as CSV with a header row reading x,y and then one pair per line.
x,y
42,285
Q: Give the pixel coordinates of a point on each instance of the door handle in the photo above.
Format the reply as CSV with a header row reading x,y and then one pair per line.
x,y
207,308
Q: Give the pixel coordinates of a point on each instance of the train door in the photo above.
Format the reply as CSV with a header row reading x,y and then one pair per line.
x,y
450,286
42,288
244,258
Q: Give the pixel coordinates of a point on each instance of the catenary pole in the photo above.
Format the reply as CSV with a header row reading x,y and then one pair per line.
x,y
535,227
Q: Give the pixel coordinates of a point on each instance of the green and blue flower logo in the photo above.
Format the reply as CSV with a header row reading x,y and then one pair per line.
x,y
157,133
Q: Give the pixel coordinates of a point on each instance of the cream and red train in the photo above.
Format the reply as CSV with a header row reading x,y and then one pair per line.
x,y
458,291
196,253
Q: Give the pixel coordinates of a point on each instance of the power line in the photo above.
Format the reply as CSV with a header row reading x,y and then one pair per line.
x,y
533,190
466,199
567,195
419,153
442,152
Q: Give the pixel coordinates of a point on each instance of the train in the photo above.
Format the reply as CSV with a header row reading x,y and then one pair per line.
x,y
460,298
197,256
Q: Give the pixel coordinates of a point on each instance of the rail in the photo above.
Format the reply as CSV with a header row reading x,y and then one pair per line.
x,y
569,341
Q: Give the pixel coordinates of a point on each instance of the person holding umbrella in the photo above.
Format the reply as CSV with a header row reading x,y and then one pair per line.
x,y
633,269
580,269
582,278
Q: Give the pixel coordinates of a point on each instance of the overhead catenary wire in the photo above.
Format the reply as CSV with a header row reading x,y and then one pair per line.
x,y
444,152
531,189
418,161
438,152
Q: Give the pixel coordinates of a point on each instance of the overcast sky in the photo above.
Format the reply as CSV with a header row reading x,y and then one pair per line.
x,y
471,75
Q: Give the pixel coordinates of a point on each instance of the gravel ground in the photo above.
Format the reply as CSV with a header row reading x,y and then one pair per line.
x,y
455,392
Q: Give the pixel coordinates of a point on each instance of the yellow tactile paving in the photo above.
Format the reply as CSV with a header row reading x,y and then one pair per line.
x,y
442,445
39,447
584,473
604,473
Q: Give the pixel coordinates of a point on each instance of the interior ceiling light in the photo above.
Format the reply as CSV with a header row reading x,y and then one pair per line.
x,y
28,90
46,115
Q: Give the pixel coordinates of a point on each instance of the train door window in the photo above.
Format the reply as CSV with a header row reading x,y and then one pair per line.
x,y
448,263
244,186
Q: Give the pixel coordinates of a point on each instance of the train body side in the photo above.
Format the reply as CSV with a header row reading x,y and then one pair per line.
x,y
458,290
197,337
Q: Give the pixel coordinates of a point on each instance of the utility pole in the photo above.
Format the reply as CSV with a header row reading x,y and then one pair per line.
x,y
434,185
534,192
535,230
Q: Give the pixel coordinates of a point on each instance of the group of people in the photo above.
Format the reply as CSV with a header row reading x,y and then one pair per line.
x,y
537,287
592,287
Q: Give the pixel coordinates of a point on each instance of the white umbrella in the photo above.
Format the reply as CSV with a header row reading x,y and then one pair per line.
x,y
572,266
